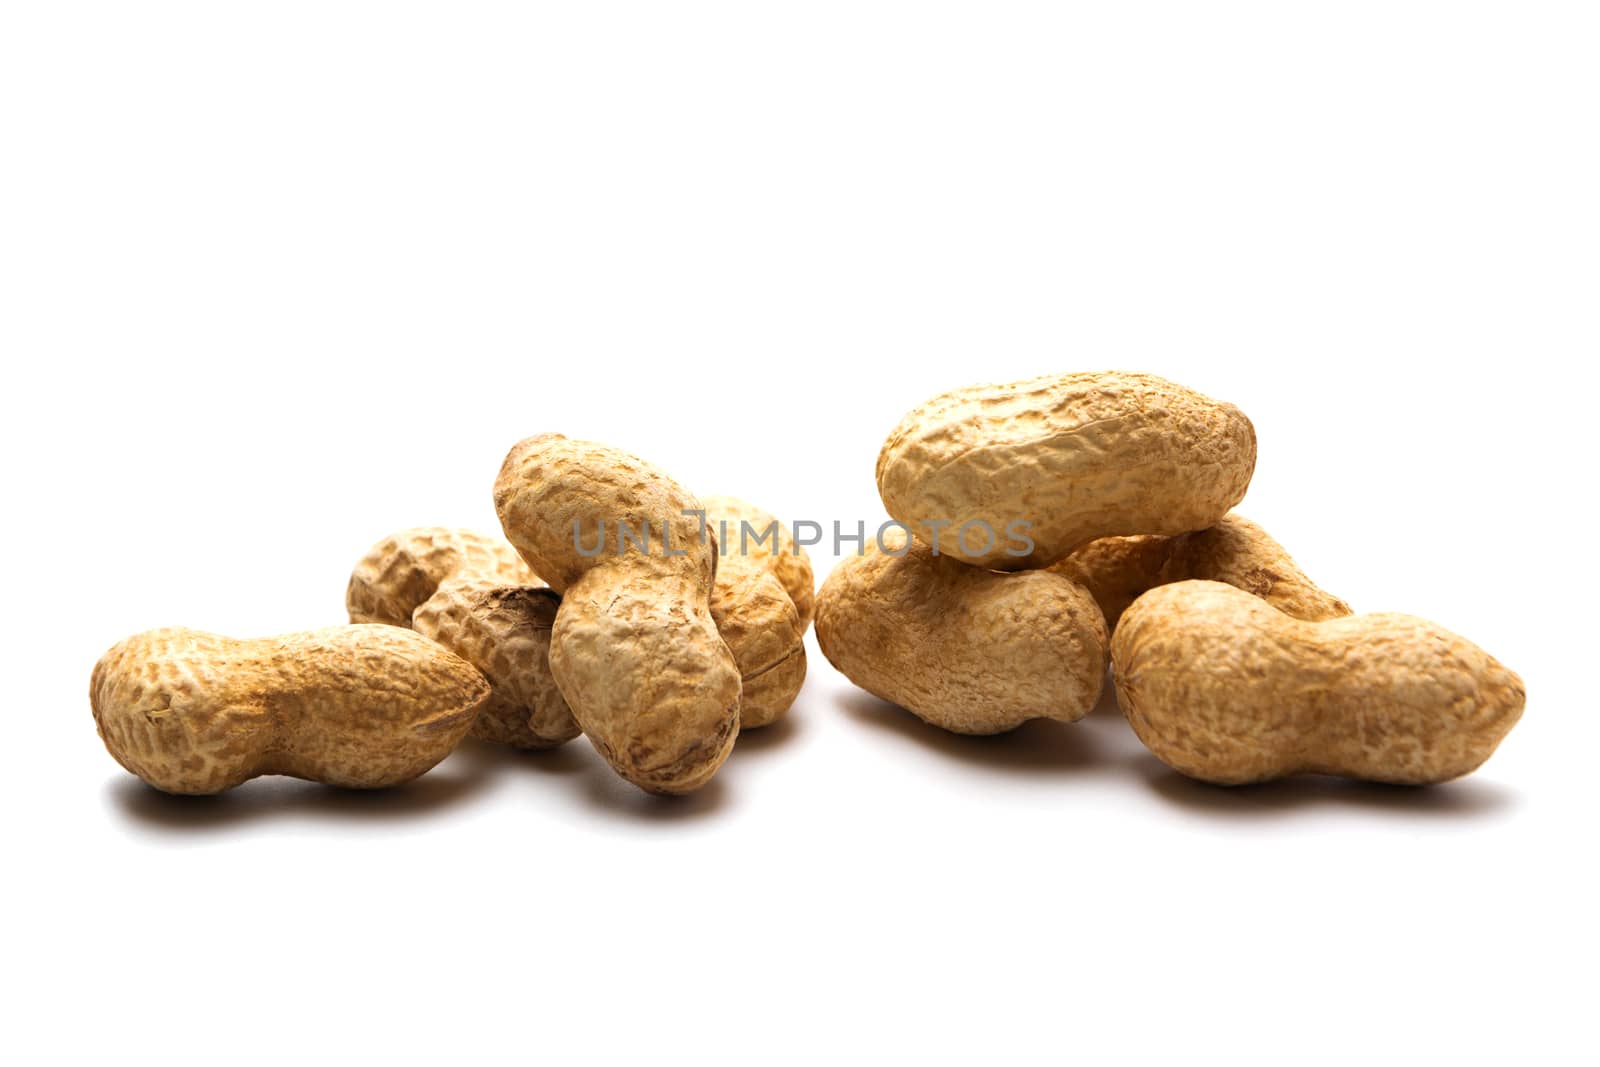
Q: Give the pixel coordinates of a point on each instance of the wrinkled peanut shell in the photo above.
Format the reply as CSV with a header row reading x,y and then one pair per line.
x,y
359,706
1223,687
1071,457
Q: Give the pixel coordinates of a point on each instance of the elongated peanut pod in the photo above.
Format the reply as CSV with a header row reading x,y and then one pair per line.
x,y
359,706
1016,476
970,650
634,648
1223,687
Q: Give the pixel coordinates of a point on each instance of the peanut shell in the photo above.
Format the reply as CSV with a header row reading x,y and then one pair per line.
x,y
1223,687
1069,457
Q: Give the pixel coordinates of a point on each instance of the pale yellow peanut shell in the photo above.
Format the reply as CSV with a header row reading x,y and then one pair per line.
x,y
1075,457
970,650
634,647
1118,570
358,706
762,628
476,596
757,533
1223,687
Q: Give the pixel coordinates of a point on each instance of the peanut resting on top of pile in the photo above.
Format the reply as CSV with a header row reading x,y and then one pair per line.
x,y
1040,531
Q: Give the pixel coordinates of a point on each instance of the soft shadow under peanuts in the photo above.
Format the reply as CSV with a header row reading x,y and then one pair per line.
x,y
1107,706
611,795
278,797
483,757
1110,728
591,780
767,738
1033,747
1463,798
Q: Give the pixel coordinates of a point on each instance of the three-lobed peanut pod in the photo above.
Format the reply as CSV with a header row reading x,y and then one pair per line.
x,y
634,648
361,706
1016,476
1223,687
973,651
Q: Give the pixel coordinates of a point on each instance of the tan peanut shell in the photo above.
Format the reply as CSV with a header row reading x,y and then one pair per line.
x,y
1118,570
762,629
1223,687
358,706
398,573
475,595
766,539
1075,457
634,647
504,631
970,650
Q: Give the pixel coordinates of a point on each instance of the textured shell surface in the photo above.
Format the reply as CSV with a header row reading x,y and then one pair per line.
x,y
504,631
1074,457
1223,687
646,674
787,559
1118,570
555,494
762,629
634,648
475,595
404,569
970,650
362,706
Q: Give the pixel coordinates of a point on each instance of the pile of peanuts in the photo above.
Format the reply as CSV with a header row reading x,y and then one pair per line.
x,y
607,609
1230,665
1039,529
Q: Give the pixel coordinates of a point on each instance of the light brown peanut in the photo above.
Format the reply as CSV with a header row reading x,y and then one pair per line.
x,y
741,528
970,650
634,648
358,706
1223,687
1016,476
762,629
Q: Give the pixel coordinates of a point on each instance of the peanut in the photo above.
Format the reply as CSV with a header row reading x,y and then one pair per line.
x,y
357,706
474,595
634,647
404,569
1117,570
970,650
1223,687
1061,460
766,539
762,629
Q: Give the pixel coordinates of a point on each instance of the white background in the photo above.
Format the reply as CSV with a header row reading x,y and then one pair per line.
x,y
278,279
